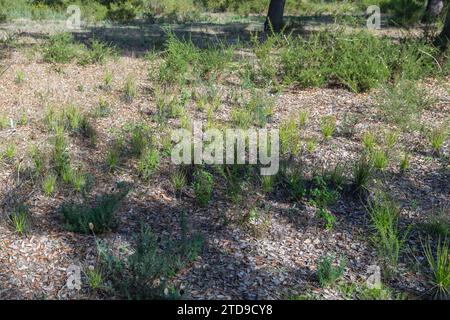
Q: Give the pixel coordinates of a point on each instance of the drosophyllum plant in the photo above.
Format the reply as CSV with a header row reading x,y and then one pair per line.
x,y
437,137
439,264
328,126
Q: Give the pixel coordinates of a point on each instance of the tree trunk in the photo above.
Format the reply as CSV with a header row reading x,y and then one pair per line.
x,y
434,9
274,19
443,39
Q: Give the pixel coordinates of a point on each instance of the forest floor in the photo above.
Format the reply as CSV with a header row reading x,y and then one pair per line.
x,y
271,256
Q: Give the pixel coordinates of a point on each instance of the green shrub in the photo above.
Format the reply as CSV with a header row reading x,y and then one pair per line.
x,y
20,219
327,274
148,163
362,174
328,126
203,187
437,137
388,240
327,217
97,52
379,159
124,11
49,184
439,265
60,49
144,273
101,217
402,103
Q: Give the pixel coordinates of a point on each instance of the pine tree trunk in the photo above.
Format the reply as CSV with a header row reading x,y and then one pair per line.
x,y
442,41
274,19
434,9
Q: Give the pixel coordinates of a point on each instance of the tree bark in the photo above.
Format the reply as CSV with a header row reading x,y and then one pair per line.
x,y
442,41
274,20
434,9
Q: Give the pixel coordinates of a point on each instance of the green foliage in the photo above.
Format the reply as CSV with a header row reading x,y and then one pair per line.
x,y
328,126
184,62
439,264
97,52
144,273
20,219
124,11
388,240
321,194
437,137
402,103
369,141
20,77
178,180
60,49
97,218
49,184
362,174
295,183
148,163
203,187
327,217
130,88
37,158
404,162
379,159
327,273
10,151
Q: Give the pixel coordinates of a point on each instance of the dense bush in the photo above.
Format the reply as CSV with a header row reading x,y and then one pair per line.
x,y
84,218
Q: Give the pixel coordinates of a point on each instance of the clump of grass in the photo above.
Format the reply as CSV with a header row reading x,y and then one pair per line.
x,y
327,273
402,103
144,273
328,218
439,264
311,144
289,137
96,53
362,174
97,218
103,109
267,183
20,77
296,183
4,121
37,157
203,187
178,180
107,80
10,151
379,159
256,111
321,194
369,141
49,184
60,49
390,139
303,117
437,137
438,224
94,278
130,88
328,126
387,240
148,163
20,219
112,159
404,162
139,139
